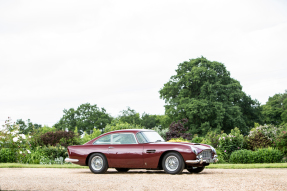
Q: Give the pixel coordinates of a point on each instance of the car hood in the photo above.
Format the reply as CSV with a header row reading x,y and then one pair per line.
x,y
197,146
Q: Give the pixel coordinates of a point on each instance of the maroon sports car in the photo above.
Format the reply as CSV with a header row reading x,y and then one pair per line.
x,y
140,149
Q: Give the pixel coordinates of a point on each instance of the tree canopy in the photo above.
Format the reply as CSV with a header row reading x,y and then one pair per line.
x,y
86,117
203,92
275,109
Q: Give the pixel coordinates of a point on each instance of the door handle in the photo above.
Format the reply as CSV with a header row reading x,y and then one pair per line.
x,y
111,147
150,151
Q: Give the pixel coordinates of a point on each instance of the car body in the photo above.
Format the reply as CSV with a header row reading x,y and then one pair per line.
x,y
140,149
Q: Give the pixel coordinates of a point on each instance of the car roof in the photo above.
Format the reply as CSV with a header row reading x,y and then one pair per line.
x,y
130,130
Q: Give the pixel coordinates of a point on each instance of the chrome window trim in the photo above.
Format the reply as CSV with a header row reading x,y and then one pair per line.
x,y
142,136
111,143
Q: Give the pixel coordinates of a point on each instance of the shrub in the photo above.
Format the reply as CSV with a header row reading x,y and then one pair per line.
x,y
178,140
229,143
63,138
7,155
281,142
42,154
197,139
266,155
258,140
177,129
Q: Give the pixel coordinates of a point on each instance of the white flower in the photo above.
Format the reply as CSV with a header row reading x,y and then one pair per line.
x,y
23,136
28,151
230,139
29,136
20,152
15,139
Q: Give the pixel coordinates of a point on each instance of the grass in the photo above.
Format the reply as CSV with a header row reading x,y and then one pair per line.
x,y
247,166
20,165
211,166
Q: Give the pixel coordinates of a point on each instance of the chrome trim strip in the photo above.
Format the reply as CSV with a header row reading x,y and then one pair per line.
x,y
200,161
71,160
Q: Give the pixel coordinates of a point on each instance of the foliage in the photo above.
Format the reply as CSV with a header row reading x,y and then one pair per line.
x,y
230,143
63,138
266,155
45,155
180,139
88,137
149,121
197,139
161,132
212,138
203,92
177,130
262,136
118,125
10,139
86,117
7,155
29,128
275,109
130,116
281,142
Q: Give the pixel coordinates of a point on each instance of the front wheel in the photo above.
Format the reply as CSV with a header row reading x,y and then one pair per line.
x,y
173,163
196,169
98,163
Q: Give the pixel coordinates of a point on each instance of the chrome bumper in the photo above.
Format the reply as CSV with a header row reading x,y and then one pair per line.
x,y
71,160
200,161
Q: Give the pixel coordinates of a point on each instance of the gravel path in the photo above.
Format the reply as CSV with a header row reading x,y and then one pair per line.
x,y
83,179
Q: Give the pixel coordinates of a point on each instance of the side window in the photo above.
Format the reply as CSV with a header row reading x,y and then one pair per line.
x,y
124,138
103,140
141,138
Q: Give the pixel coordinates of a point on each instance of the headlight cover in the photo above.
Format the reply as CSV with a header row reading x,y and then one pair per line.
x,y
193,150
213,149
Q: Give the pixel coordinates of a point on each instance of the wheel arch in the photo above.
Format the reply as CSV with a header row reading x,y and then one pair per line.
x,y
159,165
89,155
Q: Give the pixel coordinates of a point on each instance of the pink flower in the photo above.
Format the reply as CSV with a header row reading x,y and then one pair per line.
x,y
225,151
238,147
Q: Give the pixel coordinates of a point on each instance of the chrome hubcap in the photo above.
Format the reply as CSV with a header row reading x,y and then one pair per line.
x,y
171,163
97,163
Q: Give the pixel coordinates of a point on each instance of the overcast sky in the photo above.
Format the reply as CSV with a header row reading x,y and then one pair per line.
x,y
61,54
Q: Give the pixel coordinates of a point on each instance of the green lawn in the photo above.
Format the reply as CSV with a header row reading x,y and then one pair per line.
x,y
213,166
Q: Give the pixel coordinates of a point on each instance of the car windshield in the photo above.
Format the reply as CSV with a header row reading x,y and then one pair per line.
x,y
152,136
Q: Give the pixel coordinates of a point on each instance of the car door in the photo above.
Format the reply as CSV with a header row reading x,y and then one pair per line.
x,y
125,152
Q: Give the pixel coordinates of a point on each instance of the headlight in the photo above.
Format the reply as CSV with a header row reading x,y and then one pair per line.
x,y
193,150
213,149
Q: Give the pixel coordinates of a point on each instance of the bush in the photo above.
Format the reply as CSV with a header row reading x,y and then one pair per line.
x,y
230,143
266,155
63,138
44,154
7,155
177,130
178,140
281,142
258,140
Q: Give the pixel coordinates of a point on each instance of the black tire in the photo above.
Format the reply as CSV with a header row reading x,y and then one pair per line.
x,y
98,163
172,163
122,169
195,169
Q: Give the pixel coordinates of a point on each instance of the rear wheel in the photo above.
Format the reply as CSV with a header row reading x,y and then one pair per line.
x,y
98,163
122,169
172,163
196,169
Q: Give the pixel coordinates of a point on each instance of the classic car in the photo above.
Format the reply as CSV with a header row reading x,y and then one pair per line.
x,y
140,149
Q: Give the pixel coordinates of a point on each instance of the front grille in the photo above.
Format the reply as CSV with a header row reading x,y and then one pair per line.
x,y
206,154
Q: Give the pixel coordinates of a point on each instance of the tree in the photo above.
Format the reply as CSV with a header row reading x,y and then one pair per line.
x,y
29,128
275,109
130,116
86,118
203,92
149,121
